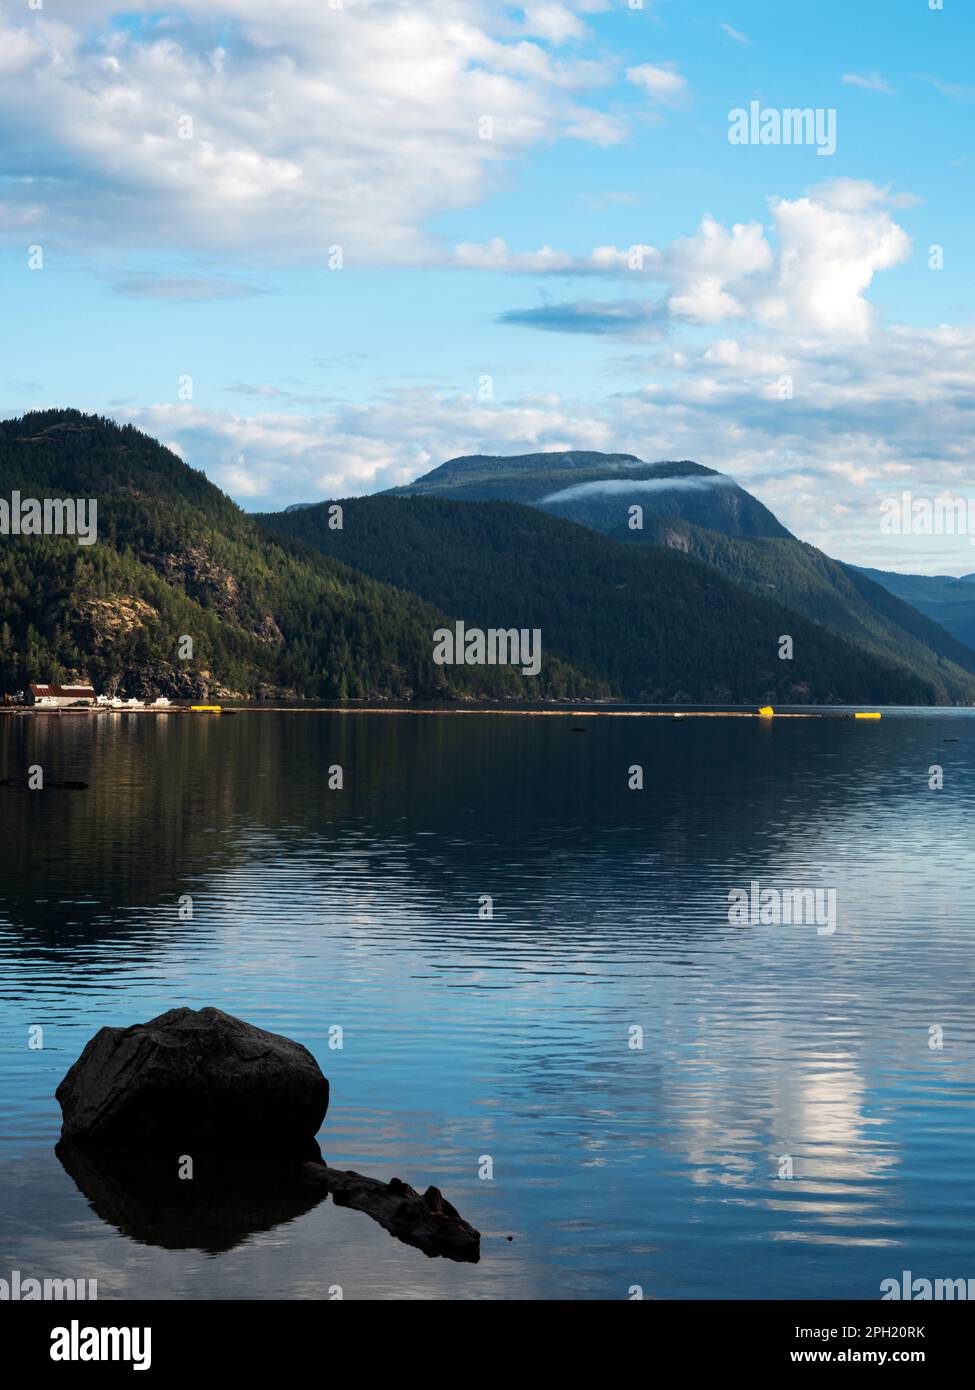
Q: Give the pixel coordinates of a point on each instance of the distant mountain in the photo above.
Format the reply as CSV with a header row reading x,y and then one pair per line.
x,y
947,600
597,490
177,558
844,599
657,624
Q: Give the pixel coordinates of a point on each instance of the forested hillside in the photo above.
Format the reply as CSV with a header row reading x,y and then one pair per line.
x,y
175,557
656,623
842,598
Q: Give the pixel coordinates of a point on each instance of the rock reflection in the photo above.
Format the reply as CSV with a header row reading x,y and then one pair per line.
x,y
222,1206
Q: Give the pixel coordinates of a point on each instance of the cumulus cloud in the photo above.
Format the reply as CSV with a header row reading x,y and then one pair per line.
x,y
827,248
554,22
663,83
829,252
243,126
712,267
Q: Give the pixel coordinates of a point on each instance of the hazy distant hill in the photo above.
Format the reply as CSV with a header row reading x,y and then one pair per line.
x,y
839,596
947,600
176,557
597,490
657,624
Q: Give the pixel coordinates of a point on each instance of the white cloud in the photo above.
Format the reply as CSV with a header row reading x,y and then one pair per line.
x,y
702,268
662,82
613,487
273,459
18,50
496,255
869,81
855,195
829,252
553,22
243,125
602,260
828,246
735,34
956,91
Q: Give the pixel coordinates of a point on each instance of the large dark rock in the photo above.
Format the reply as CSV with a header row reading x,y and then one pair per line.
x,y
195,1081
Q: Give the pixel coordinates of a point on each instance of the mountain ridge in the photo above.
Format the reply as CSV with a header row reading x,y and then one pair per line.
x,y
661,625
598,489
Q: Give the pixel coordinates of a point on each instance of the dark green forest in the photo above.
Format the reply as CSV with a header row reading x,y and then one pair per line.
x,y
281,606
838,596
658,624
176,557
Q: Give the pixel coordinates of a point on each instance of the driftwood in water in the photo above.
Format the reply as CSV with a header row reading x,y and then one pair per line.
x,y
427,1220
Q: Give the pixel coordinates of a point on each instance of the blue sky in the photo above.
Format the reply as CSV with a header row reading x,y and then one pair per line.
x,y
185,172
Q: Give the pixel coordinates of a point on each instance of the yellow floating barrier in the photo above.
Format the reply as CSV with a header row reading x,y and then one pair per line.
x,y
208,709
862,715
766,712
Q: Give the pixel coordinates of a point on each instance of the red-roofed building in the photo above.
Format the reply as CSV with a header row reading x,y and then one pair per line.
x,y
60,696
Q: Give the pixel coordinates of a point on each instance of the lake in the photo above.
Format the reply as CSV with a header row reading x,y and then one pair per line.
x,y
634,1088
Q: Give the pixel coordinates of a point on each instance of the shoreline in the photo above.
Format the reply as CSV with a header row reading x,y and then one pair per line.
x,y
840,712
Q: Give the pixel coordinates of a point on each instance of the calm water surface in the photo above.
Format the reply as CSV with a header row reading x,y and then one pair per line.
x,y
613,1165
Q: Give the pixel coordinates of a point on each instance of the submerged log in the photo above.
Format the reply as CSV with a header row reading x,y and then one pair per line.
x,y
427,1221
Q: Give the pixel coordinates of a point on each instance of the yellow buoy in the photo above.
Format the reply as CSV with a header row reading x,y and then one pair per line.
x,y
766,712
863,715
209,709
